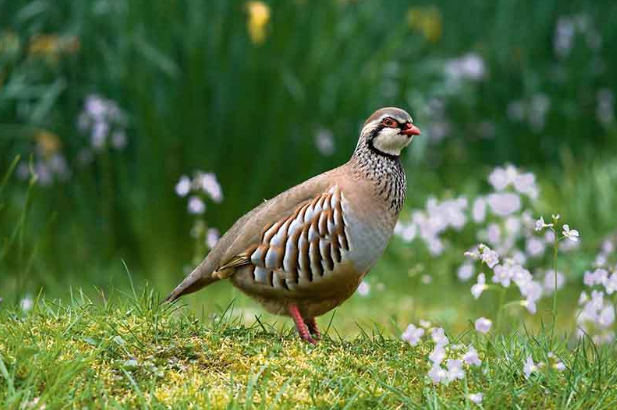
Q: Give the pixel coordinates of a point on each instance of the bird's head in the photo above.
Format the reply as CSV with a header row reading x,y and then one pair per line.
x,y
388,131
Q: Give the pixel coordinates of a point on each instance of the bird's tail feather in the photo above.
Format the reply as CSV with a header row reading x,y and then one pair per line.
x,y
192,283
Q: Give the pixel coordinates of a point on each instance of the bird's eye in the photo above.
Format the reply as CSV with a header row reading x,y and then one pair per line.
x,y
389,122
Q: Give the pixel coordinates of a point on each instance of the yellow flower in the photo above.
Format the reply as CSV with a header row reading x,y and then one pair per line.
x,y
427,20
47,143
258,17
51,46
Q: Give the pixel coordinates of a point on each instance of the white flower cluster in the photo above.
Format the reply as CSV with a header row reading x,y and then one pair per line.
x,y
467,67
430,223
443,353
597,314
533,110
505,273
324,141
509,176
48,169
530,366
203,183
566,30
104,122
501,211
439,126
603,258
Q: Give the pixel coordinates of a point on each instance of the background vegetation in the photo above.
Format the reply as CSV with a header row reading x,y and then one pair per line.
x,y
266,94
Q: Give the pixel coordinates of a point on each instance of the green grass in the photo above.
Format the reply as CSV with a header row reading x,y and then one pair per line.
x,y
200,94
134,353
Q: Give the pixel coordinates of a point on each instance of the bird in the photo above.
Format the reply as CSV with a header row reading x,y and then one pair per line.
x,y
306,251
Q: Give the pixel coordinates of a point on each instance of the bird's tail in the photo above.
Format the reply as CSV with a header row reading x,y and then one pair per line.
x,y
199,278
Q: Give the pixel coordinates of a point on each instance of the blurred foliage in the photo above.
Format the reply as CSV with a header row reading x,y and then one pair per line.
x,y
244,88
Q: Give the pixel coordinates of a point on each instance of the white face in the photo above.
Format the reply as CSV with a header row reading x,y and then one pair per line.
x,y
390,139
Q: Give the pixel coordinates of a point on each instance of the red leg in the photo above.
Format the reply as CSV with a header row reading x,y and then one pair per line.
x,y
300,325
312,327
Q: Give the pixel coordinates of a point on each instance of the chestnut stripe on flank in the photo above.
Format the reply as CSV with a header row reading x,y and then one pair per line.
x,y
336,251
325,251
316,258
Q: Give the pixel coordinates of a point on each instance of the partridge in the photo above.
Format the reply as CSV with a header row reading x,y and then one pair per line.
x,y
304,252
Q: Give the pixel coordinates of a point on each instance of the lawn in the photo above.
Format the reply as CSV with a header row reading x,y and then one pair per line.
x,y
133,134
131,352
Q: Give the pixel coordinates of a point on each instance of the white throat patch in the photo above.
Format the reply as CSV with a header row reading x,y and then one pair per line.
x,y
391,141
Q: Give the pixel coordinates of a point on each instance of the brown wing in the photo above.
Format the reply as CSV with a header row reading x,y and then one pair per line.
x,y
301,248
226,256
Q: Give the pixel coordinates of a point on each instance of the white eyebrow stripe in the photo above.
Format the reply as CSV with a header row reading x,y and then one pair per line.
x,y
397,118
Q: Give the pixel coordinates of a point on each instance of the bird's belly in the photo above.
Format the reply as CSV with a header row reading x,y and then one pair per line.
x,y
367,239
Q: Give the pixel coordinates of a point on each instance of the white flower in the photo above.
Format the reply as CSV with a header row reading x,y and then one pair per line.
x,y
493,234
476,397
324,141
610,284
532,291
473,254
99,134
118,139
504,203
478,288
529,367
455,370
196,206
535,247
437,355
425,323
406,231
483,325
502,275
513,225
470,66
209,184
413,334
583,298
540,224
555,217
471,357
559,366
597,277
500,178
570,234
439,337
183,187
549,281
364,289
26,303
212,237
526,184
607,316
465,272
437,373
520,275
95,106
479,210
488,256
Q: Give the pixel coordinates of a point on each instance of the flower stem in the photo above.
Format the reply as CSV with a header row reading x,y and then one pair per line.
x,y
555,249
502,299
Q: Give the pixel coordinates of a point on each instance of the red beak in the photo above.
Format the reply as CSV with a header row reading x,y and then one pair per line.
x,y
410,129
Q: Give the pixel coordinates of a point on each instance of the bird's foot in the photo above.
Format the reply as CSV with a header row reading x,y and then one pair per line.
x,y
303,330
312,327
